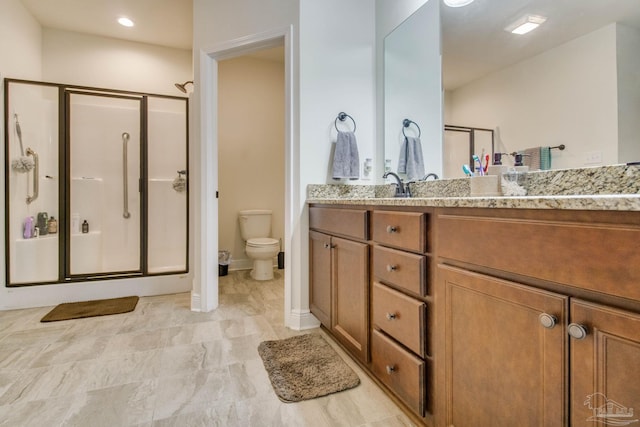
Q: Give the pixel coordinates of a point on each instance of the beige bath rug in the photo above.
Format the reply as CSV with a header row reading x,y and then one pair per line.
x,y
305,367
102,307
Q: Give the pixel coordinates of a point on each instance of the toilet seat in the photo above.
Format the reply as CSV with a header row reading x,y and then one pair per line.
x,y
262,242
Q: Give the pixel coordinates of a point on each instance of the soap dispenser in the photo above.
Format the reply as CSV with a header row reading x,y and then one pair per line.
x,y
85,226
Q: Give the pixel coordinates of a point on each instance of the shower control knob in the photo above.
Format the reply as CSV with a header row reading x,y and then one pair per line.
x,y
548,320
577,331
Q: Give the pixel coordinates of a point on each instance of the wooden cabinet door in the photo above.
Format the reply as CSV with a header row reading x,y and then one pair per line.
x,y
350,267
502,367
320,277
605,365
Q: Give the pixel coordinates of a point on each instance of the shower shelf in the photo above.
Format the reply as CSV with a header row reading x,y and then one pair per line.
x,y
41,238
90,233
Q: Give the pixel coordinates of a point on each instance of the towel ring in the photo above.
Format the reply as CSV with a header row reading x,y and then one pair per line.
x,y
406,123
342,117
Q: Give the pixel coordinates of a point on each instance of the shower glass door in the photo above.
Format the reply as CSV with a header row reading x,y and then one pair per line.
x,y
167,238
104,205
31,183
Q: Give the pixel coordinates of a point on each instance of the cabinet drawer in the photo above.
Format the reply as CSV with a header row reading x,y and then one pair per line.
x,y
406,230
403,269
599,257
345,222
401,317
399,370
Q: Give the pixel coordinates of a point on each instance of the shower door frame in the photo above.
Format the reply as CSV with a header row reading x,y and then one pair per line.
x,y
142,186
64,184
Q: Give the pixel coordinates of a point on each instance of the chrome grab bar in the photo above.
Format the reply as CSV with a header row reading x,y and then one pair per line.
x,y
36,176
125,176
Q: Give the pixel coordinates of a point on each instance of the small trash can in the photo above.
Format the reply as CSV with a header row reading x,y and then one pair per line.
x,y
224,259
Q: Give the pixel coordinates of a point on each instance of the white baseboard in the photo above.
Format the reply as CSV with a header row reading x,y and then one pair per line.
x,y
300,320
246,264
195,302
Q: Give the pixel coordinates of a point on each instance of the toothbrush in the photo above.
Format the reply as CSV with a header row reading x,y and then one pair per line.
x,y
467,170
486,166
477,160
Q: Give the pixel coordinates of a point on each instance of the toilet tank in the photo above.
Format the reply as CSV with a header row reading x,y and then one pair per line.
x,y
255,223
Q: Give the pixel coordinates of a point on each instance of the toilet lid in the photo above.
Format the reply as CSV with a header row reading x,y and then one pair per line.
x,y
259,242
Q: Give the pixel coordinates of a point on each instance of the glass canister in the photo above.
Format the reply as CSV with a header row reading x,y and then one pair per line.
x,y
52,225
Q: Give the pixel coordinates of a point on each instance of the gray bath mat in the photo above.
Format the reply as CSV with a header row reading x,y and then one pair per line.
x,y
305,367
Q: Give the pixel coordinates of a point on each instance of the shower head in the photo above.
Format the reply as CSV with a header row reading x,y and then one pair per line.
x,y
182,86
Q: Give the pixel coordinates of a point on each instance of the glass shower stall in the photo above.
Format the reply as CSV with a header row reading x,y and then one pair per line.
x,y
96,183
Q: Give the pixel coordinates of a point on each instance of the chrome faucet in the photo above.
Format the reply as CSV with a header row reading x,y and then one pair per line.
x,y
427,176
401,190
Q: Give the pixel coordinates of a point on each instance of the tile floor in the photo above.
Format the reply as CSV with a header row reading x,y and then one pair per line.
x,y
164,365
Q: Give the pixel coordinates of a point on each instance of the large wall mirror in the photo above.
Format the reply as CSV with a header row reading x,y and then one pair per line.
x,y
574,81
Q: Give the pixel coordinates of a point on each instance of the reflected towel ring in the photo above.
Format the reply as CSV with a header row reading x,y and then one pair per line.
x,y
342,117
406,123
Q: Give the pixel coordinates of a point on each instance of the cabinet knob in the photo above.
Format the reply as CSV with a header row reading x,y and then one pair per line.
x,y
391,268
392,316
392,229
577,331
548,320
391,369
329,246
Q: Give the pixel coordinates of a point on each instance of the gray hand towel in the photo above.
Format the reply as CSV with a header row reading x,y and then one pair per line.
x,y
346,162
411,161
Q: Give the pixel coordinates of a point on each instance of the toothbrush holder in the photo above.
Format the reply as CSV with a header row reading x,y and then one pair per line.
x,y
486,185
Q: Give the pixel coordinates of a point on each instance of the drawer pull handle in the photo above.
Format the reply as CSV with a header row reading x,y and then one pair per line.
x,y
392,229
548,320
391,369
577,331
391,268
392,316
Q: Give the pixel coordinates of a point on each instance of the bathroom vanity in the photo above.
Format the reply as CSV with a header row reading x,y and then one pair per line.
x,y
468,314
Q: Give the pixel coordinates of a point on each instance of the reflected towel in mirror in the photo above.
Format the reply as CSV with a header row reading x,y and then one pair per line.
x,y
537,158
346,162
411,161
545,158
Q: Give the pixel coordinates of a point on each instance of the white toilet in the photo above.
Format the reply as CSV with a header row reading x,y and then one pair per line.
x,y
255,229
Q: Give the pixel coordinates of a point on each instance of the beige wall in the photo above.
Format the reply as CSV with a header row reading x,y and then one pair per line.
x,y
104,62
250,147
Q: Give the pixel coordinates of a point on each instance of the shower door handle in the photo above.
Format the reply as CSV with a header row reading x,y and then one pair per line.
x,y
36,176
125,176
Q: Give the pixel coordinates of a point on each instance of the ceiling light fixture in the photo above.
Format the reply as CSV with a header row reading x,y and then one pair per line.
x,y
457,3
125,22
525,24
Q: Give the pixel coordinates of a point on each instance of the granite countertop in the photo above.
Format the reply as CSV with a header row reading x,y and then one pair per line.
x,y
601,188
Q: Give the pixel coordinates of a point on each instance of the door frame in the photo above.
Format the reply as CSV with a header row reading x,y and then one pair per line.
x,y
205,293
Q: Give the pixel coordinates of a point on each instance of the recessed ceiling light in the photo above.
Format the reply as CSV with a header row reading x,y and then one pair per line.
x,y
125,22
525,24
457,3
